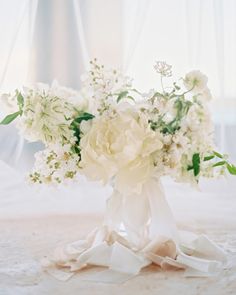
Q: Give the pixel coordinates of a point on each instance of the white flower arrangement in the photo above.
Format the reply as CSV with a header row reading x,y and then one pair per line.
x,y
111,131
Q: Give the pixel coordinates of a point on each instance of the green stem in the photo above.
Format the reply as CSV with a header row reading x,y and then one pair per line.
x,y
188,90
162,84
135,90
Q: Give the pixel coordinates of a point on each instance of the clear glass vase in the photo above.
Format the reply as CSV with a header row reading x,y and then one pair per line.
x,y
141,216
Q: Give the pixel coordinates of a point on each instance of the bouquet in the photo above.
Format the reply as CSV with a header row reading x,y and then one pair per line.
x,y
110,131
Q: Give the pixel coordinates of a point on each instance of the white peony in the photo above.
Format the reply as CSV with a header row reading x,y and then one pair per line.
x,y
131,177
195,81
120,146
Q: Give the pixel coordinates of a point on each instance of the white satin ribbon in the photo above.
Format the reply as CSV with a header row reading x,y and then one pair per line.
x,y
149,236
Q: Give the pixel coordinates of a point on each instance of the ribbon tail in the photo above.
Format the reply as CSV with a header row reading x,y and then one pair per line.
x,y
162,220
113,214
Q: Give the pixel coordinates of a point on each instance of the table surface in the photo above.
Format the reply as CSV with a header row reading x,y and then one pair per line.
x,y
23,242
33,223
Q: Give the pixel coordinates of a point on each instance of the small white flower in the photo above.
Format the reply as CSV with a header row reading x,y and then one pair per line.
x,y
195,81
163,68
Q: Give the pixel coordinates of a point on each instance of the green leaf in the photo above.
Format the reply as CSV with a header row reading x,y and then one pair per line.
x,y
83,117
75,126
221,163
196,164
122,95
208,158
20,100
75,149
231,168
9,118
218,155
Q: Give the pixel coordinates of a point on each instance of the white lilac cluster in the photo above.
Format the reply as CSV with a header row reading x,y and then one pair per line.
x,y
119,134
55,164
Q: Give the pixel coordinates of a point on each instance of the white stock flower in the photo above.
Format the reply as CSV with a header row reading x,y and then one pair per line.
x,y
195,81
119,146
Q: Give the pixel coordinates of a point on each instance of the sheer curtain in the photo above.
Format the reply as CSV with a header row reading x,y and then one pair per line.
x,y
59,49
16,31
134,17
41,41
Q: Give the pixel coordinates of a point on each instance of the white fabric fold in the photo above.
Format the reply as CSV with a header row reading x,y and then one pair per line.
x,y
203,265
130,263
